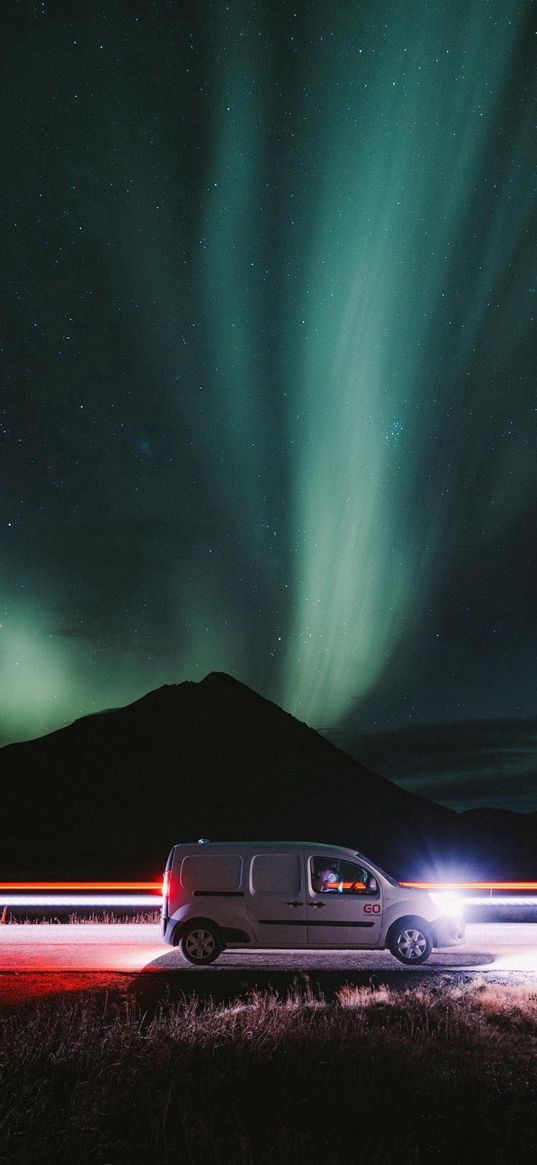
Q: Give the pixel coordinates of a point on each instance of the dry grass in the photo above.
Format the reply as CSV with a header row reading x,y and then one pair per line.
x,y
91,917
446,1075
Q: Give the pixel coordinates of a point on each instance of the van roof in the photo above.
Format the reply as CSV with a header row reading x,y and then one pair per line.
x,y
205,843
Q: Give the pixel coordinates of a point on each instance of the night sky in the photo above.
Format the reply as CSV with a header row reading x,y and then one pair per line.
x,y
268,398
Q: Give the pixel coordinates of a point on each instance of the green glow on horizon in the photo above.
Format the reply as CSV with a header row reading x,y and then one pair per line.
x,y
32,673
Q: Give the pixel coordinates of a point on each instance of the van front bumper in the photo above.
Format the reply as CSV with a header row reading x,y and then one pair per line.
x,y
449,930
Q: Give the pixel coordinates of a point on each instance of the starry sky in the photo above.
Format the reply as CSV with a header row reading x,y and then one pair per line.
x,y
268,395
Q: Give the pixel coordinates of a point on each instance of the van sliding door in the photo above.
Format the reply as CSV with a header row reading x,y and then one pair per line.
x,y
276,899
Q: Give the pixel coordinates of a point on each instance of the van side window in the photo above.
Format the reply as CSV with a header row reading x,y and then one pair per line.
x,y
211,872
276,874
333,876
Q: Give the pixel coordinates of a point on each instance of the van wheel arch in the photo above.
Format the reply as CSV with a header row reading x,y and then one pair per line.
x,y
180,927
411,922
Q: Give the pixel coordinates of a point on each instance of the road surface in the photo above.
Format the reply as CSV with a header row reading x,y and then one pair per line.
x,y
42,958
128,948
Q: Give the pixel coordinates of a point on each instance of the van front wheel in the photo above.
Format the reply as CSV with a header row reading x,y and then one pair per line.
x,y
200,943
410,941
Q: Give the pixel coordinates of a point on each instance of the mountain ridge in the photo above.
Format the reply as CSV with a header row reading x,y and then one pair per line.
x,y
111,792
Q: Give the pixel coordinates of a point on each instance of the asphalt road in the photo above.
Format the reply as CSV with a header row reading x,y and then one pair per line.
x,y
131,948
129,962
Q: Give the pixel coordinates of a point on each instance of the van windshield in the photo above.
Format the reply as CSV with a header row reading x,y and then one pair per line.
x,y
389,878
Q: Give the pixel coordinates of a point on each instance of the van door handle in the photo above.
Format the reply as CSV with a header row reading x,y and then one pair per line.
x,y
318,905
294,903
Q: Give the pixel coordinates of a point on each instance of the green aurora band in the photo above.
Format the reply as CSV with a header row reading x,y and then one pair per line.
x,y
406,232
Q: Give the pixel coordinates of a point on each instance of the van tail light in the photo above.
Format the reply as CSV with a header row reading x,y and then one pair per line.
x,y
166,881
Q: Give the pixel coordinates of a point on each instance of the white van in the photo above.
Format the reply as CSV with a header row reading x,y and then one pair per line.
x,y
294,895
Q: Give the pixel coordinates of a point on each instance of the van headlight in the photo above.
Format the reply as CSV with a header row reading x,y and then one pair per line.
x,y
448,903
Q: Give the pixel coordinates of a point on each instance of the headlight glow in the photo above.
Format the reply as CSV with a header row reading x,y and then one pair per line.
x,y
448,903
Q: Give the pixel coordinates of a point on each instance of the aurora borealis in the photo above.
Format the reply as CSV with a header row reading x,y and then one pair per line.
x,y
268,397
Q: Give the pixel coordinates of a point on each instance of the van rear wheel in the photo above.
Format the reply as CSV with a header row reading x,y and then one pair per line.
x,y
201,943
410,941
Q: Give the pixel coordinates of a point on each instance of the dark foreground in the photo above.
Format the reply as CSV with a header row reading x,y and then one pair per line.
x,y
442,1074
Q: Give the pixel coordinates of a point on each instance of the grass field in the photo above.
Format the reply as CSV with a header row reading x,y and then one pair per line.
x,y
377,1076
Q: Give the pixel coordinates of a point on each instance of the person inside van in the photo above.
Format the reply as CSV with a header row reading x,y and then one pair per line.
x,y
324,879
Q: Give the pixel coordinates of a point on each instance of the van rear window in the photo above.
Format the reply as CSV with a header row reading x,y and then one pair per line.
x,y
211,872
276,874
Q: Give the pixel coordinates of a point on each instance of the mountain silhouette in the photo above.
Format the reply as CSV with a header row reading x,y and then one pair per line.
x,y
108,795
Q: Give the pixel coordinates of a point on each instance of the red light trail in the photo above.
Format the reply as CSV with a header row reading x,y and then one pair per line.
x,y
139,887
156,887
470,885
